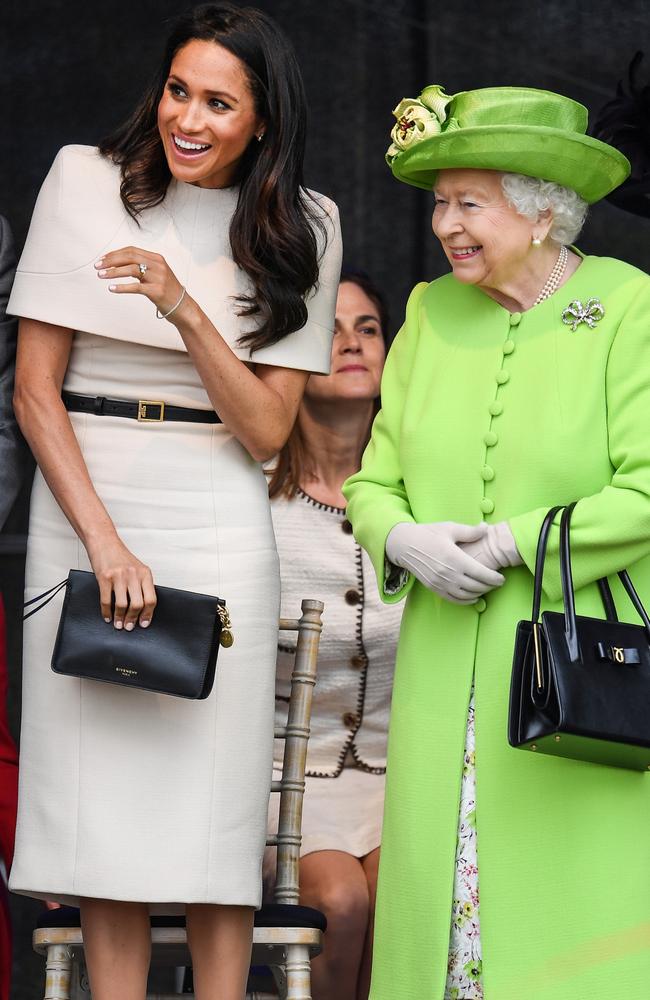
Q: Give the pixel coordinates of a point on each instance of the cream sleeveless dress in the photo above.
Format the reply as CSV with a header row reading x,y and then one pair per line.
x,y
125,794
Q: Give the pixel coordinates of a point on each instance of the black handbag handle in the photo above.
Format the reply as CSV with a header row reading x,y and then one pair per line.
x,y
566,579
607,599
566,576
49,595
540,558
636,600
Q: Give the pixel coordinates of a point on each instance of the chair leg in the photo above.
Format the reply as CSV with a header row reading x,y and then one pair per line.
x,y
80,988
280,979
298,971
58,972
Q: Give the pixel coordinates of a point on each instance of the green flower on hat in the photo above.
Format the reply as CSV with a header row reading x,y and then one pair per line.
x,y
520,130
419,118
434,98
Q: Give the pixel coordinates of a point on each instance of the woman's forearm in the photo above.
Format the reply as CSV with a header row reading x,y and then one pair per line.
x,y
259,413
46,426
258,407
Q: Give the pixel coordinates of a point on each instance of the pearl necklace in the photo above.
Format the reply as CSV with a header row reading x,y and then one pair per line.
x,y
555,277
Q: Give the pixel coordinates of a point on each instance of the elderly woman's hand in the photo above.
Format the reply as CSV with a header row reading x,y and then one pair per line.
x,y
496,548
154,277
434,554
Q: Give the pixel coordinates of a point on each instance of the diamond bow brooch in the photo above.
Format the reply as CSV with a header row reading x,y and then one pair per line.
x,y
590,313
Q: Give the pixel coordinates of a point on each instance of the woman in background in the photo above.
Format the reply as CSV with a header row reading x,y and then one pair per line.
x,y
346,758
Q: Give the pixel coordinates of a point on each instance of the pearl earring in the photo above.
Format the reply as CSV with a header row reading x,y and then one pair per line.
x,y
536,242
260,137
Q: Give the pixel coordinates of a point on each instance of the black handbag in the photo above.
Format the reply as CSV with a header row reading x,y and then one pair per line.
x,y
176,654
581,686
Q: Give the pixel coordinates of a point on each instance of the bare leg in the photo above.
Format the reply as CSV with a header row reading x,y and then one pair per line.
x,y
335,883
117,943
370,866
220,939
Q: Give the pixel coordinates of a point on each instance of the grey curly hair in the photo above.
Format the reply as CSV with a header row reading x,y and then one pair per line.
x,y
531,195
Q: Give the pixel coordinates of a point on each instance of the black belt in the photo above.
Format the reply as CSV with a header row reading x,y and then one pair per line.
x,y
148,411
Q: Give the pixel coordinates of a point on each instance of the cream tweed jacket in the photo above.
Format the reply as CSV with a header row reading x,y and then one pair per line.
x,y
319,558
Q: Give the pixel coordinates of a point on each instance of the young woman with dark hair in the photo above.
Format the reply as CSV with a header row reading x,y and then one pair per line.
x,y
346,760
274,228
179,275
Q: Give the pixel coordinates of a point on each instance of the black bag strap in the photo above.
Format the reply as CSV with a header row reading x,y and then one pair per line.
x,y
603,584
540,557
607,599
566,576
49,595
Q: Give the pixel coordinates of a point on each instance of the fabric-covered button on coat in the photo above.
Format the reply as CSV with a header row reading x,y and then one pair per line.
x,y
563,847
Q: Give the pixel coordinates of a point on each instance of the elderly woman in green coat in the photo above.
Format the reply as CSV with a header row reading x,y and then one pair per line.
x,y
519,381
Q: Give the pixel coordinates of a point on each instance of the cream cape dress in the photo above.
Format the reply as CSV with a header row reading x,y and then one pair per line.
x,y
125,794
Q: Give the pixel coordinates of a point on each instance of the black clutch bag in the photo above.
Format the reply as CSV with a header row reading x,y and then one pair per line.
x,y
176,654
581,686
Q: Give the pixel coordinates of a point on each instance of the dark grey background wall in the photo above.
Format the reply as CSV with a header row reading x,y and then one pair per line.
x,y
71,70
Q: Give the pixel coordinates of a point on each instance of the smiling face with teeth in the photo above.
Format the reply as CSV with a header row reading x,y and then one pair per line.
x,y
206,115
485,240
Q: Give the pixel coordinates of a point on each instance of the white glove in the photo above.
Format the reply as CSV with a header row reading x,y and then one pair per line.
x,y
496,549
433,554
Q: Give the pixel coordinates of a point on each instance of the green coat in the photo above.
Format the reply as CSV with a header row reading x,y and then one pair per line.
x,y
488,415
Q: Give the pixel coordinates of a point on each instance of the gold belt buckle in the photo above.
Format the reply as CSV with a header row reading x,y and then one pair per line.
x,y
143,416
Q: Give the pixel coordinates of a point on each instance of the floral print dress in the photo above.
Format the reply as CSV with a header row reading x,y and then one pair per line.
x,y
464,969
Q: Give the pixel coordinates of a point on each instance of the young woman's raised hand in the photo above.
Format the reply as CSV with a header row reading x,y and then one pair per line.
x,y
154,277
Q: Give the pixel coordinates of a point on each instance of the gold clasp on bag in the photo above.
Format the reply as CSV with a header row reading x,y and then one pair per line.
x,y
619,655
226,637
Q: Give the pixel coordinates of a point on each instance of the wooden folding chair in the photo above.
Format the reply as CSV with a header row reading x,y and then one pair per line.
x,y
286,935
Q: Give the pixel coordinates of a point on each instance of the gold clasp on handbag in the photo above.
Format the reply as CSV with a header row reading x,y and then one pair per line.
x,y
618,654
226,637
143,413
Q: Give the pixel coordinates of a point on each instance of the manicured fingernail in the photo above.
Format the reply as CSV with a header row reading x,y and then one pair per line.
x,y
144,624
107,620
103,272
112,288
98,263
118,624
129,626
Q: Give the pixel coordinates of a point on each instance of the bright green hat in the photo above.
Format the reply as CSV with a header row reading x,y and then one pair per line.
x,y
514,129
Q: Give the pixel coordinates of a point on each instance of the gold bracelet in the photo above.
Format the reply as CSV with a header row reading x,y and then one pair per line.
x,y
160,315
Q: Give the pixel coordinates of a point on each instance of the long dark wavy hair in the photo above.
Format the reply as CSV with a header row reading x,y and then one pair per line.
x,y
274,232
293,462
